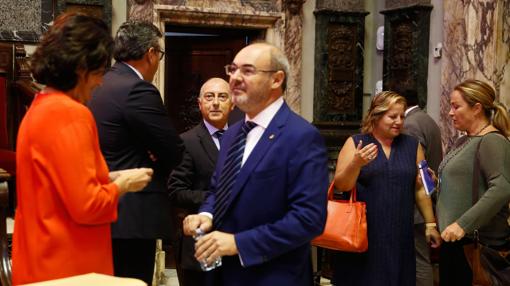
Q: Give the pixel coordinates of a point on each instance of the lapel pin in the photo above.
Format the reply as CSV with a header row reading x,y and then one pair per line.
x,y
271,136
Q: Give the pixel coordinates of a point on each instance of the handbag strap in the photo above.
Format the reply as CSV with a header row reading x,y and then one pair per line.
x,y
352,197
476,174
476,168
474,187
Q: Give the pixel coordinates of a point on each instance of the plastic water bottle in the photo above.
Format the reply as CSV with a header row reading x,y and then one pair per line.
x,y
203,264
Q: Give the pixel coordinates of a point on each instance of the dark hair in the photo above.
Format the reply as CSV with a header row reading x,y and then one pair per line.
x,y
134,38
411,96
73,42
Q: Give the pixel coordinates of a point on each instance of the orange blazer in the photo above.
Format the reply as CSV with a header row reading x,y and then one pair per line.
x,y
65,199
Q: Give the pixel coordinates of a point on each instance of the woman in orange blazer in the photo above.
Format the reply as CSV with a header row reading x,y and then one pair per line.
x,y
66,196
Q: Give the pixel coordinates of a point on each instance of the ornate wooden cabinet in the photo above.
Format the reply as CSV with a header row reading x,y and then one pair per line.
x,y
406,45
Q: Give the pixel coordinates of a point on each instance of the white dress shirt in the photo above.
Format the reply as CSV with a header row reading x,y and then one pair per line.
x,y
262,119
213,130
134,69
409,109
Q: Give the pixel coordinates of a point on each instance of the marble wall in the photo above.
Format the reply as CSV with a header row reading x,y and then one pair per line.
x,y
293,38
14,15
141,9
24,21
476,45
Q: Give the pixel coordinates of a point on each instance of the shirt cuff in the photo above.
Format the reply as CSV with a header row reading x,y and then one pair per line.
x,y
239,253
207,214
240,259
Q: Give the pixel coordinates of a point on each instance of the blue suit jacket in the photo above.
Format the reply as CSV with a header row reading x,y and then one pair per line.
x,y
277,204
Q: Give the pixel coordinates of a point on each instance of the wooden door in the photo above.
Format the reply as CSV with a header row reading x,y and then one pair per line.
x,y
193,55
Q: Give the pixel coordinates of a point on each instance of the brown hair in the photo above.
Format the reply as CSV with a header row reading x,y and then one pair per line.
x,y
73,42
381,103
475,91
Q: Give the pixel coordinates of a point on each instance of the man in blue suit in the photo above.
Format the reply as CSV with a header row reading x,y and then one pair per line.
x,y
262,224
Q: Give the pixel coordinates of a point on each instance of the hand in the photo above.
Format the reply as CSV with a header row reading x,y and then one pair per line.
x,y
433,237
192,222
215,244
453,233
432,175
113,175
365,155
133,180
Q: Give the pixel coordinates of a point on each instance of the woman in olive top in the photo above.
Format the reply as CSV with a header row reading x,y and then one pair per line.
x,y
475,111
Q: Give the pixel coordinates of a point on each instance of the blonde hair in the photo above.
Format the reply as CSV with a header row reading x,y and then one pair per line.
x,y
381,103
475,91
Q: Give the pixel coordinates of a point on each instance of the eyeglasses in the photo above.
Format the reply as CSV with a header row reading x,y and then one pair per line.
x,y
222,97
161,52
246,70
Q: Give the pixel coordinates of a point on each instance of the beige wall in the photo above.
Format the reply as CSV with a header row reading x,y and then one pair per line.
x,y
373,59
434,72
119,12
307,88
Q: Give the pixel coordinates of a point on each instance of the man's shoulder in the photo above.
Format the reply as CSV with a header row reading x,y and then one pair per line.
x,y
117,82
297,122
193,132
419,117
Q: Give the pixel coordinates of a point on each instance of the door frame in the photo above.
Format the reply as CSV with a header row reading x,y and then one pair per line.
x,y
271,22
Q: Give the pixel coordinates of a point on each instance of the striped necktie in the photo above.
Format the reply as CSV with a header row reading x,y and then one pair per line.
x,y
218,134
230,171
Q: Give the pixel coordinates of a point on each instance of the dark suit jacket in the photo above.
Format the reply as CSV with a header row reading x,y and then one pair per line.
x,y
188,186
277,204
132,123
422,127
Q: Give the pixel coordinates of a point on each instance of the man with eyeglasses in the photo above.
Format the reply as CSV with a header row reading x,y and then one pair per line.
x,y
135,131
190,181
268,191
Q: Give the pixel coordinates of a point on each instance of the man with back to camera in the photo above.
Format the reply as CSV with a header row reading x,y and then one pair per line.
x,y
135,131
190,181
268,196
420,125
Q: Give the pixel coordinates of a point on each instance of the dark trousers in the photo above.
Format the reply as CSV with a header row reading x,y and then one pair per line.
x,y
424,275
189,277
134,258
453,266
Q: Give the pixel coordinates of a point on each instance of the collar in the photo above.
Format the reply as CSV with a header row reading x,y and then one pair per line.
x,y
213,129
135,70
409,109
265,116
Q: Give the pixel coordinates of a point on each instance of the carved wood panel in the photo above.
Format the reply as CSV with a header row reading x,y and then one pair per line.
x,y
338,98
342,68
406,42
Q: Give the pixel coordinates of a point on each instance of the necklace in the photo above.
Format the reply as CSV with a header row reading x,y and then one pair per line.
x,y
482,129
461,142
